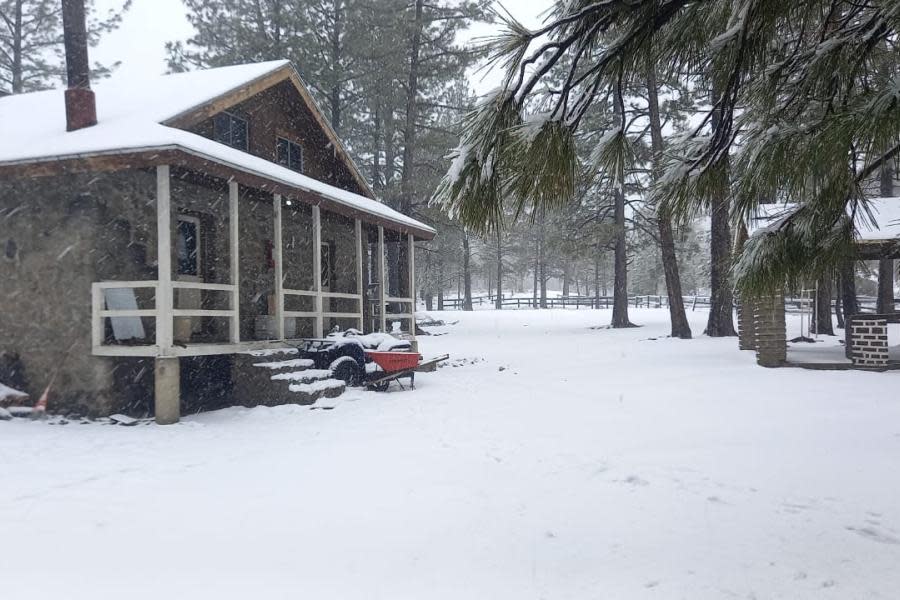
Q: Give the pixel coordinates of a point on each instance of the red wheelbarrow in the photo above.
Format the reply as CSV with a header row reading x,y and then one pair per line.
x,y
395,365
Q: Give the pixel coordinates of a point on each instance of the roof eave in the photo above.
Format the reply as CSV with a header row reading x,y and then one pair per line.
x,y
173,154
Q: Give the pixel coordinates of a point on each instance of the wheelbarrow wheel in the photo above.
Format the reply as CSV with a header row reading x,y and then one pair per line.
x,y
381,386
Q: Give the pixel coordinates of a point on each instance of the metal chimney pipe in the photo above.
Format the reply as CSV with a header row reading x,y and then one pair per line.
x,y
81,106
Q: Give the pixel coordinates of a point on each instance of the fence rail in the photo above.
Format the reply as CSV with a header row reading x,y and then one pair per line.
x,y
576,302
866,303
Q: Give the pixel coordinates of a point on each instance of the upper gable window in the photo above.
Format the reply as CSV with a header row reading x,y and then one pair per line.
x,y
230,130
289,154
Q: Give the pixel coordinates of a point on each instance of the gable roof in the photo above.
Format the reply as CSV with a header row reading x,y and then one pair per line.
x,y
138,117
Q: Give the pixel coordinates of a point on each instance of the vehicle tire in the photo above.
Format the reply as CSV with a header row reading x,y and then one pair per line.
x,y
346,369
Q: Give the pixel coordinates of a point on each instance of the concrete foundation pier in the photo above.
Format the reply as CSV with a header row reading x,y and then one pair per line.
x,y
167,391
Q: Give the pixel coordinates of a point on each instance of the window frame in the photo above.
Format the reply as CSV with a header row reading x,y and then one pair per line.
x,y
198,242
291,143
232,118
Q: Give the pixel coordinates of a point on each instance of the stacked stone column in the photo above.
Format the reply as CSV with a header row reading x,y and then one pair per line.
x,y
746,324
868,341
769,330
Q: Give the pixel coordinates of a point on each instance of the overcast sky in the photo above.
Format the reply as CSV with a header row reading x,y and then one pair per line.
x,y
140,42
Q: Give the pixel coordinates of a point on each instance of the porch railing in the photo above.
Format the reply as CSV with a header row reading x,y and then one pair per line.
x,y
318,312
160,312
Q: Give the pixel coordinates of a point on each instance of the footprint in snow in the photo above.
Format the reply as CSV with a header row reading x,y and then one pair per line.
x,y
873,534
636,481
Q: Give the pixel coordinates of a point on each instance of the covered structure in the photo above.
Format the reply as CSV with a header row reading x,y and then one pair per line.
x,y
762,320
206,214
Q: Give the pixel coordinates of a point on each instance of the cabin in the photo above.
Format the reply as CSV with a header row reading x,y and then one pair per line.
x,y
160,237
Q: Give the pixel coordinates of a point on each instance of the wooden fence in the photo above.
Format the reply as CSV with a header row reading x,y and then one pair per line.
x,y
795,305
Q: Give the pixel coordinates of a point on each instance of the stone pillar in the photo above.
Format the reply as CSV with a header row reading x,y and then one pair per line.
x,y
746,322
167,390
869,341
769,331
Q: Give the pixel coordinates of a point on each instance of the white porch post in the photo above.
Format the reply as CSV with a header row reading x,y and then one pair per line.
x,y
317,270
382,283
279,269
164,296
167,371
359,274
412,283
233,240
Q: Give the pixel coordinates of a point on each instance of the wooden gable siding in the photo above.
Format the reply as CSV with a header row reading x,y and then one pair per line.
x,y
280,112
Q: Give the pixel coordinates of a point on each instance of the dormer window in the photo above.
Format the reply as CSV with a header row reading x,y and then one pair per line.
x,y
289,154
230,130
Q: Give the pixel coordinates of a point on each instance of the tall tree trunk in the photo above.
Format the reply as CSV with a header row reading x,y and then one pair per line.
x,y
467,273
839,304
499,300
441,283
677,315
409,134
886,179
565,275
534,291
822,321
597,275
542,259
885,300
721,301
376,146
17,84
620,286
848,289
337,50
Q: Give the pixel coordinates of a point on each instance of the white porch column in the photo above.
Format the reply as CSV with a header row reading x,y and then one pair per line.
x,y
359,274
412,283
317,270
234,239
164,296
167,370
382,283
279,269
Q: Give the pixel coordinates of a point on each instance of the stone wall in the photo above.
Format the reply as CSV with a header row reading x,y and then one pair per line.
x,y
869,341
60,234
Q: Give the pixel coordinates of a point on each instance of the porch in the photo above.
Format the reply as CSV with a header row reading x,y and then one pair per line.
x,y
243,269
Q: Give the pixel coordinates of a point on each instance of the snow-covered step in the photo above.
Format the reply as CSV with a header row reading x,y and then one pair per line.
x,y
280,377
308,393
295,364
305,376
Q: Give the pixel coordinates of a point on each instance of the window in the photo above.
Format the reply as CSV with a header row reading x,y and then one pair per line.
x,y
230,130
327,265
289,154
187,246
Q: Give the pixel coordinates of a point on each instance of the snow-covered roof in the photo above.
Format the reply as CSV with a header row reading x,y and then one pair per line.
x,y
885,213
130,119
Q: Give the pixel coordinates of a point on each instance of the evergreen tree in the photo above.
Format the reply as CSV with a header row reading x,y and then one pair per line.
x,y
31,42
807,77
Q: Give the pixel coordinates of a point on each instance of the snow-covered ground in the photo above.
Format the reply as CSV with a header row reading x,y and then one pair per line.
x,y
550,461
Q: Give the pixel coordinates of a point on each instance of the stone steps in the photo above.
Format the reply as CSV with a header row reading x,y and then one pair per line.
x,y
272,378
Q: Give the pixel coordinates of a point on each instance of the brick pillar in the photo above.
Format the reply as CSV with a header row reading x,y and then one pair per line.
x,y
769,331
746,322
868,341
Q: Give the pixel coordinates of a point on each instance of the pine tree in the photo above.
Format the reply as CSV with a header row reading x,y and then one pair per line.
x,y
797,88
31,42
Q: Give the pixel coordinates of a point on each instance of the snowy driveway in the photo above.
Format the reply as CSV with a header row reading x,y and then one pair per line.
x,y
554,461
